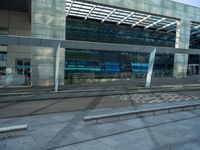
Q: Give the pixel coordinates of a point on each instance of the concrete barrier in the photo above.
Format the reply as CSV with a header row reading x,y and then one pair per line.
x,y
13,128
137,112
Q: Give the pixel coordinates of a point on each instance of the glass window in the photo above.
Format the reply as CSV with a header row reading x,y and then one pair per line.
x,y
3,56
23,66
19,62
77,29
27,63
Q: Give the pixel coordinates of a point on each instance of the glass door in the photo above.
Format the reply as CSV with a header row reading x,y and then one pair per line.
x,y
23,67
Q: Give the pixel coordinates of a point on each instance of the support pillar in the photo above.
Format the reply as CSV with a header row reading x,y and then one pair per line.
x,y
150,68
48,20
57,67
182,41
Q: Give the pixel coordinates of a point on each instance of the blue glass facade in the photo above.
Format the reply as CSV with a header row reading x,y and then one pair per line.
x,y
103,62
89,66
106,61
139,67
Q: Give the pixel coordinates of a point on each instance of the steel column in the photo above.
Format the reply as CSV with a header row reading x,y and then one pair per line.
x,y
57,66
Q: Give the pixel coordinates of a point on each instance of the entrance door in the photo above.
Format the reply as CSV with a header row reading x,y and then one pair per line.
x,y
23,67
197,69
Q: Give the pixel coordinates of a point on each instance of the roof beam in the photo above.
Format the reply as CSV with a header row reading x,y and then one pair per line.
x,y
195,32
108,15
125,18
73,44
67,14
158,21
173,29
143,19
90,12
168,25
197,27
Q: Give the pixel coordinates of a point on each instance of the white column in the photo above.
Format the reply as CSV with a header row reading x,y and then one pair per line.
x,y
150,68
57,67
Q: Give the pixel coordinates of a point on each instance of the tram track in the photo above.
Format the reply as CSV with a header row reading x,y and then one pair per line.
x,y
82,94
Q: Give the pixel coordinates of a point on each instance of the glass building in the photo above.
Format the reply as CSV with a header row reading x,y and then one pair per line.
x,y
120,34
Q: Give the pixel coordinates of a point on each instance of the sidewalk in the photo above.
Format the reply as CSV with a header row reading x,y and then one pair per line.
x,y
63,131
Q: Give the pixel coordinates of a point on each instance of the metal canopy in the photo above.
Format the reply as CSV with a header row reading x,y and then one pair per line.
x,y
71,44
119,16
103,14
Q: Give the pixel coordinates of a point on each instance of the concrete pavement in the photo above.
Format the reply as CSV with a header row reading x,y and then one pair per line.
x,y
63,131
56,120
37,107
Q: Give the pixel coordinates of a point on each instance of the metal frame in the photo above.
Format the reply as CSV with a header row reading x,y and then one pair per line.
x,y
102,13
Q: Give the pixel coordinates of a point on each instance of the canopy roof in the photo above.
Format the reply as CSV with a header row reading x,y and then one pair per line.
x,y
119,16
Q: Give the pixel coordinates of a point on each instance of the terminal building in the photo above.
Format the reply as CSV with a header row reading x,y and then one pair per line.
x,y
108,39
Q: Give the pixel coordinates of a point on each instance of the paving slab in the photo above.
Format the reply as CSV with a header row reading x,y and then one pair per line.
x,y
68,131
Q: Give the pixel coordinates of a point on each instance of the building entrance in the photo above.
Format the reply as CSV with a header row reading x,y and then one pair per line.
x,y
193,69
23,67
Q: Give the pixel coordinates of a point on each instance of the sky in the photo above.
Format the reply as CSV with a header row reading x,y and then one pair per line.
x,y
190,2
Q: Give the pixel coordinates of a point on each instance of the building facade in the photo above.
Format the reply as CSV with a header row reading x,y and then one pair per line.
x,y
161,23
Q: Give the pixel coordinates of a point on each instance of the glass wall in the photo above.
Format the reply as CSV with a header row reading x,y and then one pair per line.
x,y
91,65
101,65
195,42
92,30
87,65
194,65
163,66
89,30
